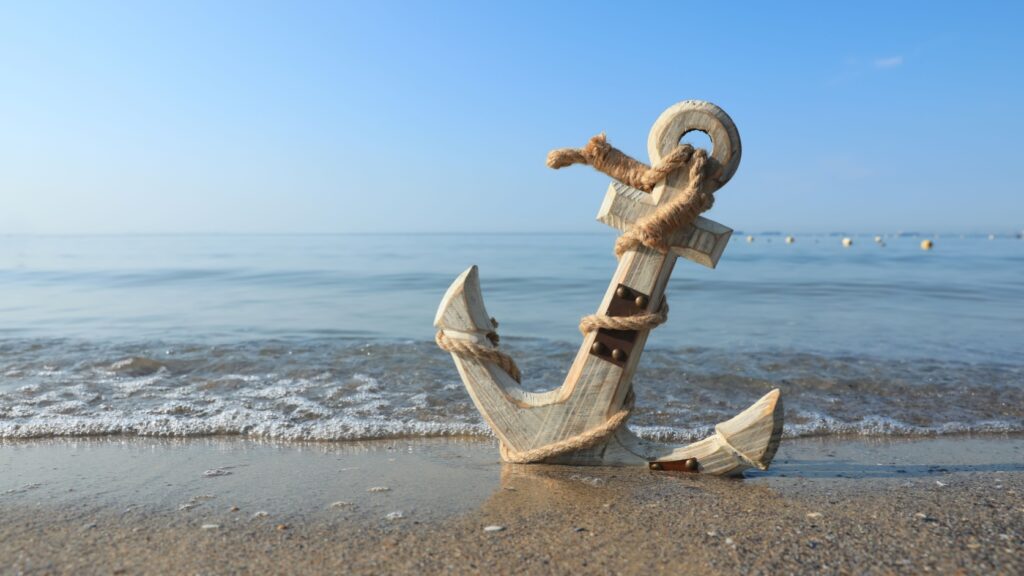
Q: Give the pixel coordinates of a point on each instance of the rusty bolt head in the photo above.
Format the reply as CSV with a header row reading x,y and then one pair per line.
x,y
599,348
618,355
641,301
690,464
656,466
622,292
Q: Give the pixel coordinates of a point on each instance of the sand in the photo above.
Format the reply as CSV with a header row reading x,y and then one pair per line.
x,y
227,506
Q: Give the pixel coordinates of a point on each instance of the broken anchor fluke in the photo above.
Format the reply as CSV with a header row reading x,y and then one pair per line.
x,y
583,422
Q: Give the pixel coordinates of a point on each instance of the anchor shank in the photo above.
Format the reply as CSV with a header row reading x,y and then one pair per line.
x,y
645,273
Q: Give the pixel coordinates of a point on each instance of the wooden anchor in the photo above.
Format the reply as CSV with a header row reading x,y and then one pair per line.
x,y
582,422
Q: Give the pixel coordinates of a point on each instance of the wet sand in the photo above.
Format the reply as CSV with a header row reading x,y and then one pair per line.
x,y
133,506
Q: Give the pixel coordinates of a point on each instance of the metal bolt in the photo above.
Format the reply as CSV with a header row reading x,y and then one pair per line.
x,y
656,466
641,301
599,348
690,465
622,292
618,355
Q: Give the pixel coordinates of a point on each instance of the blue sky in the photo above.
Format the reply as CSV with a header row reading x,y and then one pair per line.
x,y
238,117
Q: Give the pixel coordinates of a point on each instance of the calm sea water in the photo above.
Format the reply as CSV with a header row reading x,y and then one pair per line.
x,y
330,337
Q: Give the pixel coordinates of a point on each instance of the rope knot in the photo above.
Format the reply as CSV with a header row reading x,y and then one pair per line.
x,y
680,211
667,218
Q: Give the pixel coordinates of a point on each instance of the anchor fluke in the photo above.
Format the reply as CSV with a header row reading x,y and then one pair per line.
x,y
462,308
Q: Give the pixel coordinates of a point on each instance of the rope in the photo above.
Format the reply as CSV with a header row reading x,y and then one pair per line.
x,y
640,322
613,162
571,444
465,348
682,210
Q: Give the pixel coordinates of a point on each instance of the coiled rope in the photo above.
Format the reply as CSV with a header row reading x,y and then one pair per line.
x,y
680,211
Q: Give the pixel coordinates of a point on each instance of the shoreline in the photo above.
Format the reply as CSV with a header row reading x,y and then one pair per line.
x,y
142,505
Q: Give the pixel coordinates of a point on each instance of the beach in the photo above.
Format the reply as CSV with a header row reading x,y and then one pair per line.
x,y
224,505
277,404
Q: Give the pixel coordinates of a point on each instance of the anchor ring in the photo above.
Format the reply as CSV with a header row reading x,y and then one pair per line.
x,y
690,115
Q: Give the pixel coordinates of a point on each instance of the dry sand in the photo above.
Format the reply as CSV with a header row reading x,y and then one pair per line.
x,y
133,506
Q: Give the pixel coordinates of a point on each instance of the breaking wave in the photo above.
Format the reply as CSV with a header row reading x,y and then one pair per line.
x,y
331,391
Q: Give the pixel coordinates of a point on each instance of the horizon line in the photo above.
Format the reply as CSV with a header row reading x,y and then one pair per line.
x,y
1004,232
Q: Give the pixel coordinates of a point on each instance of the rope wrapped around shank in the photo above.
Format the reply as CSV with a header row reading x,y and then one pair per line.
x,y
640,322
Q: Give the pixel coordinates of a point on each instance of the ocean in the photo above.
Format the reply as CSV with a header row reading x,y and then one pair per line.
x,y
329,337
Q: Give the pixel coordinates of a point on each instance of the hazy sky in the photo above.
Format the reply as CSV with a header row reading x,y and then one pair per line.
x,y
144,117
